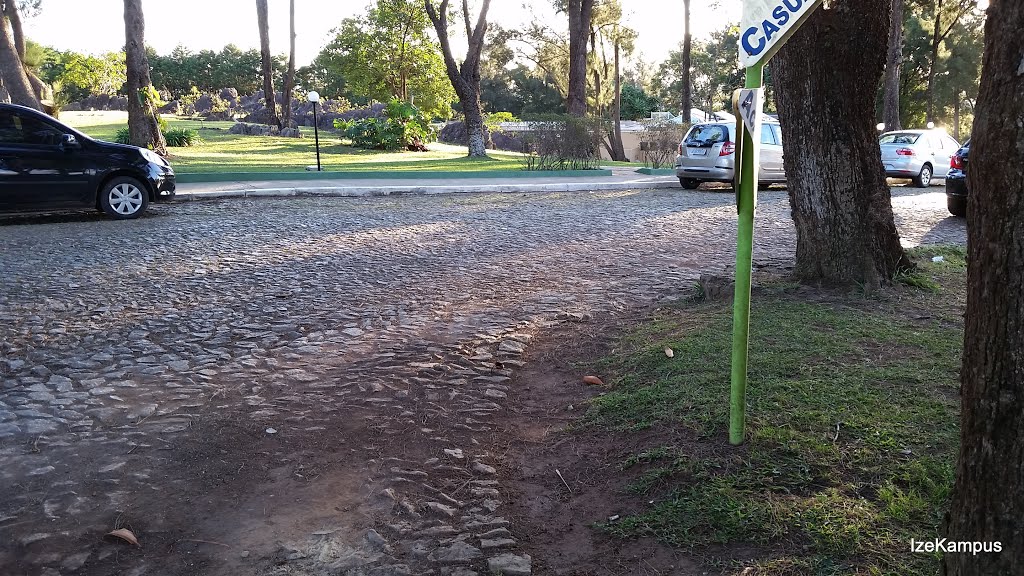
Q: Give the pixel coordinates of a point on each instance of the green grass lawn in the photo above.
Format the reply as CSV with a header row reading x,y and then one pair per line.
x,y
852,426
224,152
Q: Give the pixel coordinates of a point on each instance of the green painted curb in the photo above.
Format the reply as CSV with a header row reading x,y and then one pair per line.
x,y
195,178
657,171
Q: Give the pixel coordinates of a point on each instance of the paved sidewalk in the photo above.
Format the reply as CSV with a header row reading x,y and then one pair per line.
x,y
621,179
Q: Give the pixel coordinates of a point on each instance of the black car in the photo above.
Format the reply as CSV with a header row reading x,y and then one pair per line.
x,y
45,165
956,181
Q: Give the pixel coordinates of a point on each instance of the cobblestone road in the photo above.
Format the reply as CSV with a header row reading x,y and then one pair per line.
x,y
306,386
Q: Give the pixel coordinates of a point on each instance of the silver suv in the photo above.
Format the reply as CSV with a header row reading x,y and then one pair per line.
x,y
708,154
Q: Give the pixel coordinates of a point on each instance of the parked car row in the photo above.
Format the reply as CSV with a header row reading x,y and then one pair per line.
x,y
707,154
46,165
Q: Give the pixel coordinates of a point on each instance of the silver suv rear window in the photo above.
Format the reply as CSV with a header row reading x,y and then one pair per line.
x,y
708,134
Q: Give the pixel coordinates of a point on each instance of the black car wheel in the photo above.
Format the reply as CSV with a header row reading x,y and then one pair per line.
x,y
689,183
924,179
124,198
957,205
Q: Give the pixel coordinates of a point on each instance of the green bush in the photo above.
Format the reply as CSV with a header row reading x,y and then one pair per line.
x,y
403,127
182,137
123,136
567,143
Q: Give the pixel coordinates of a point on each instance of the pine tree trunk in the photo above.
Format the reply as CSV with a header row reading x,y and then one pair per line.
x,y
687,100
826,89
12,72
143,128
618,152
289,79
933,60
988,500
267,63
893,63
580,12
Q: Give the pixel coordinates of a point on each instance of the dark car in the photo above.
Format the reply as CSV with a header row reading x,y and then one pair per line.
x,y
956,181
45,165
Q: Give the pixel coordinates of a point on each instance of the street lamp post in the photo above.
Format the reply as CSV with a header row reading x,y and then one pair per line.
x,y
314,97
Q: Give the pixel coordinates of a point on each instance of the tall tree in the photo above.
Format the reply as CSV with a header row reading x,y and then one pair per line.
x,y
289,78
13,74
684,72
988,499
580,14
826,89
465,78
267,62
893,63
946,17
143,127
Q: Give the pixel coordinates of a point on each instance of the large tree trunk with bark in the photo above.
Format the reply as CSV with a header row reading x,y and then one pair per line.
x,y
143,127
893,63
826,89
580,16
465,79
13,74
289,79
684,74
988,500
267,63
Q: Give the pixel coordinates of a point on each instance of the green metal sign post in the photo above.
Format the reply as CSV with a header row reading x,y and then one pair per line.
x,y
767,25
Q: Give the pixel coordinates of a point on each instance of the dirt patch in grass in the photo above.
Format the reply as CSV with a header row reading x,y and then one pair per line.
x,y
852,435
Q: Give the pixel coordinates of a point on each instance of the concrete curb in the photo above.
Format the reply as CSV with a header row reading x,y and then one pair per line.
x,y
367,191
217,177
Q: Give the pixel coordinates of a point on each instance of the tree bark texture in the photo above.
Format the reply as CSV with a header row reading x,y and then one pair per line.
x,y
465,79
580,16
143,128
893,63
289,79
988,500
618,152
12,71
684,74
826,89
267,63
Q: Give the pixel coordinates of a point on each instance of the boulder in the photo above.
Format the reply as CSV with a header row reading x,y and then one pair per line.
x,y
291,133
204,104
248,129
229,94
172,107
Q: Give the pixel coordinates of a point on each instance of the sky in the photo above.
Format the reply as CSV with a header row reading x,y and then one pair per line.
x,y
97,26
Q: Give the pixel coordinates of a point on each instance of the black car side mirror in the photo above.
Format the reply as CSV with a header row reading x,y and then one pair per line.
x,y
69,142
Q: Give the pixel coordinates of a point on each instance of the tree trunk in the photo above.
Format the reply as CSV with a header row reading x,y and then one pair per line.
x,y
826,89
465,79
13,75
618,152
580,13
893,63
687,100
933,60
267,63
143,127
988,500
289,79
956,117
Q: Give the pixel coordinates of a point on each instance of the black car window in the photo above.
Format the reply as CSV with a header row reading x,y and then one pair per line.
x,y
899,138
18,128
708,134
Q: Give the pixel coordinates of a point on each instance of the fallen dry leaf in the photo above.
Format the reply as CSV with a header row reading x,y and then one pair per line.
x,y
593,380
669,352
126,535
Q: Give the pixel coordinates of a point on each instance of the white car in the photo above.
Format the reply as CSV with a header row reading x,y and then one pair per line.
x,y
920,155
708,154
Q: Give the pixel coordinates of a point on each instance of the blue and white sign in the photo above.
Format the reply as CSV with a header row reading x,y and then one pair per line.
x,y
766,22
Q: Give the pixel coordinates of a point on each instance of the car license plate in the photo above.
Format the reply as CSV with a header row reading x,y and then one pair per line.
x,y
698,152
